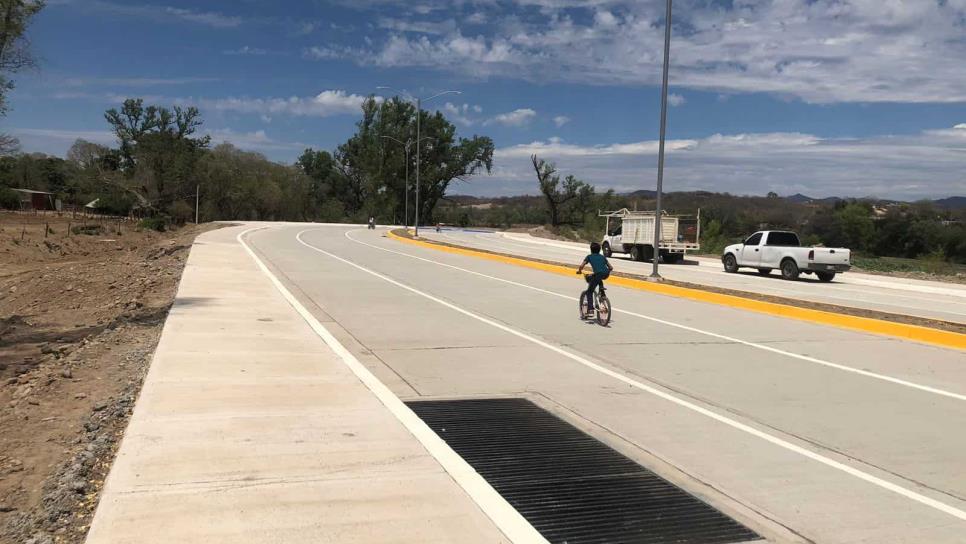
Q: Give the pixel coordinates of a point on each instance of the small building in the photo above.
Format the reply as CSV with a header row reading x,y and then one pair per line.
x,y
36,200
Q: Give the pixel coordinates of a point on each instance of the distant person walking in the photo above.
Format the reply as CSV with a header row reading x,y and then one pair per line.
x,y
372,223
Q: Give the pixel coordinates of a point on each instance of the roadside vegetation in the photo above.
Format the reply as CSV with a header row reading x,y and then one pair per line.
x,y
162,163
886,236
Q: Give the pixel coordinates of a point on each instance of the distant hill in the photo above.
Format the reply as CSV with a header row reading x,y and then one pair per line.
x,y
799,198
951,203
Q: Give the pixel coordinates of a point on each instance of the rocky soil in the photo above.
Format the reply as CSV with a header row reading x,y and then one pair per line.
x,y
80,316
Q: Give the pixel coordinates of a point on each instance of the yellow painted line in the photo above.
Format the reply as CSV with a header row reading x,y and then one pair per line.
x,y
915,333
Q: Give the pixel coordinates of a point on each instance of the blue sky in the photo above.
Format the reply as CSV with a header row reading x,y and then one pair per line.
x,y
824,97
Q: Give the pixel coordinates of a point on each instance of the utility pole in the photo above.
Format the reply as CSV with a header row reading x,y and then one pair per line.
x,y
197,194
658,226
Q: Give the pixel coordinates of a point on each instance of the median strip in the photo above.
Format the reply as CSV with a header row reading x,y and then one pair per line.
x,y
943,337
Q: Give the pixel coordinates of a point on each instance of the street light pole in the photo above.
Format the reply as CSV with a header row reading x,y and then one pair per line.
x,y
419,109
658,227
405,145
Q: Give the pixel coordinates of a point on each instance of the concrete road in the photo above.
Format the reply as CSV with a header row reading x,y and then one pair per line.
x,y
804,432
936,300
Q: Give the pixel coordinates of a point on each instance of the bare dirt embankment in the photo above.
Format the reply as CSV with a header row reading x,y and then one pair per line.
x,y
80,316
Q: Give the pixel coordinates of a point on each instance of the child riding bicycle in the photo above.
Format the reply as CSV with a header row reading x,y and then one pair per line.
x,y
602,269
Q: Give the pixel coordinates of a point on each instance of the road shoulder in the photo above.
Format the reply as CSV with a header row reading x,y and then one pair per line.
x,y
250,428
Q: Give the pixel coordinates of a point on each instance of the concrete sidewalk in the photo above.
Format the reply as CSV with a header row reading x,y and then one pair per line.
x,y
250,429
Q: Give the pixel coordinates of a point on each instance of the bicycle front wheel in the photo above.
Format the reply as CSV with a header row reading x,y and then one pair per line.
x,y
603,312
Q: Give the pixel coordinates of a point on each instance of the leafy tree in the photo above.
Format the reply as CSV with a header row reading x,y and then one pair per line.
x,y
327,184
374,172
15,17
157,151
557,196
242,185
854,226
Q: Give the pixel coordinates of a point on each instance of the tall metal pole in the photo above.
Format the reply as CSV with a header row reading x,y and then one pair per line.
x,y
419,109
660,151
197,192
406,220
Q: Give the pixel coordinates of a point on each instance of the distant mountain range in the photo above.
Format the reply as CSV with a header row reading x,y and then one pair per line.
x,y
950,203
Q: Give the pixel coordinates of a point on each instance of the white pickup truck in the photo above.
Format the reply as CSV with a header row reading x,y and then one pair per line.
x,y
771,249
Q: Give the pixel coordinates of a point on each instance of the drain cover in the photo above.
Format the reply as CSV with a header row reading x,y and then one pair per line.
x,y
568,485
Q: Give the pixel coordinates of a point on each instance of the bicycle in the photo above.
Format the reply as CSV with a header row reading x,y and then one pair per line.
x,y
601,304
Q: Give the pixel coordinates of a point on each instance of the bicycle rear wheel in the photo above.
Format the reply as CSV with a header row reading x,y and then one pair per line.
x,y
584,307
603,312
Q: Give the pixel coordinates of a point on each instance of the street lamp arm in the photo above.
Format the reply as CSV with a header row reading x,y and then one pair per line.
x,y
441,94
406,143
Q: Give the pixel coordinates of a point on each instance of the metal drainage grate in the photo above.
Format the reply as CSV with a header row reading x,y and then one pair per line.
x,y
568,485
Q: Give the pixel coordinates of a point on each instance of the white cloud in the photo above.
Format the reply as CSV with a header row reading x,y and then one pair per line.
x,y
820,51
246,50
257,140
925,165
605,19
97,136
675,100
134,81
419,27
161,13
209,18
324,104
516,118
561,120
476,18
461,114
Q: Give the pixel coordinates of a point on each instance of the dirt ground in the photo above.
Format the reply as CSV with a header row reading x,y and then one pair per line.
x,y
80,316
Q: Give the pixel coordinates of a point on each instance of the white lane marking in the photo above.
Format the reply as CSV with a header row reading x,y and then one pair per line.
x,y
875,480
762,347
852,279
838,291
513,525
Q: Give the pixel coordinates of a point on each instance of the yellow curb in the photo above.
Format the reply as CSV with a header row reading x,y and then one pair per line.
x,y
947,339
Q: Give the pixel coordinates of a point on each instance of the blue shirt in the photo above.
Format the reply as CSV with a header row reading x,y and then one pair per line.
x,y
599,263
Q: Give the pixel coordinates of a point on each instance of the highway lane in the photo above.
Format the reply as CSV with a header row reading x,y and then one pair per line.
x,y
934,300
769,419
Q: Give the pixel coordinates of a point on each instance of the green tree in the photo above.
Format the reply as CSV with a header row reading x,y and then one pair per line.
x,y
158,152
375,172
326,181
854,227
558,196
15,17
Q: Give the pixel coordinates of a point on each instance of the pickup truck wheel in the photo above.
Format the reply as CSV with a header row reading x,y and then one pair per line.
x,y
764,271
730,263
790,269
825,276
607,251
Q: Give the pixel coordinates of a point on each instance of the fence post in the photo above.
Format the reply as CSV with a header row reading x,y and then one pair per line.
x,y
46,230
68,229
